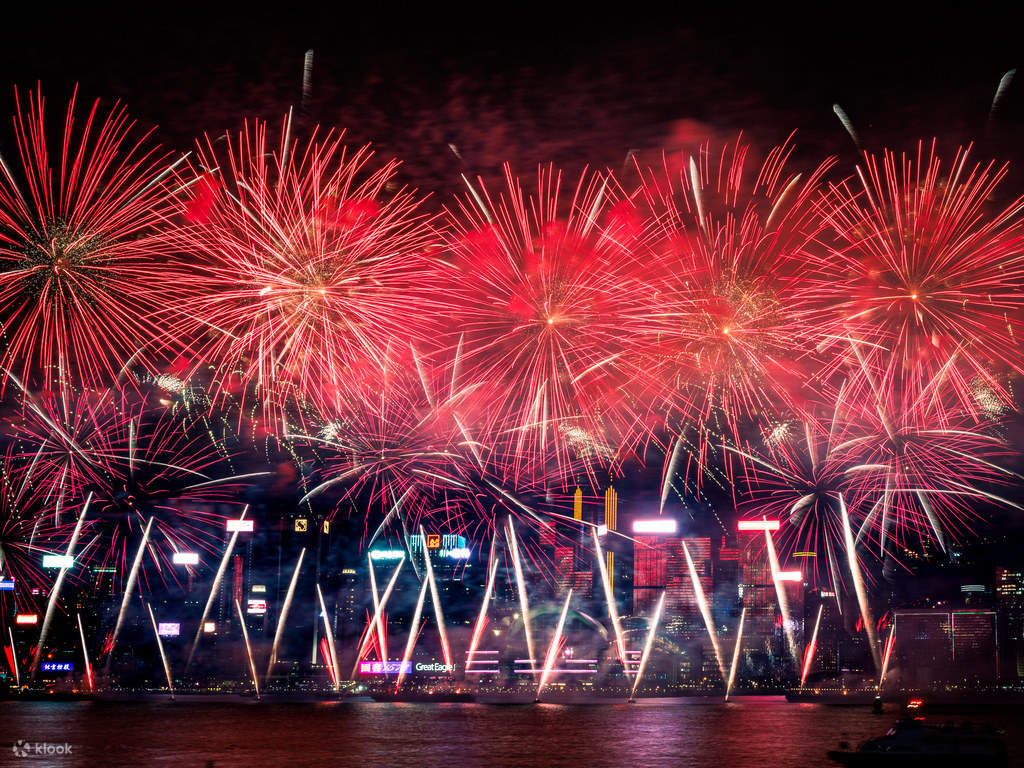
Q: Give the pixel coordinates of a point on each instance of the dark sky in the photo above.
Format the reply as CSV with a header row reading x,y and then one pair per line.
x,y
505,82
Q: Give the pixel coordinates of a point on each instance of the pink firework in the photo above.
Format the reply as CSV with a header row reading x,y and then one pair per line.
x,y
921,473
78,267
404,450
27,533
545,289
921,277
726,338
295,263
139,460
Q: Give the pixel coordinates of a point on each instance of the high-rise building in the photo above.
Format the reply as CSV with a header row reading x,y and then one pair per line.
x,y
1010,607
757,592
938,645
649,572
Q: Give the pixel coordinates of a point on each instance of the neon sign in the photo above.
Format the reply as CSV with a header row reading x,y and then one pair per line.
x,y
757,525
168,629
185,558
57,666
58,561
664,525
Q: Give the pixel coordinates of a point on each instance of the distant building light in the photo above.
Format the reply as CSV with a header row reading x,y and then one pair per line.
x,y
459,554
387,554
757,525
602,530
348,571
789,576
827,594
805,554
240,526
662,525
972,588
185,558
26,618
7,585
58,561
209,627
259,587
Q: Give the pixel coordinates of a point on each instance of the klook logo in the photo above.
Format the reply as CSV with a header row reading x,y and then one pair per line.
x,y
22,748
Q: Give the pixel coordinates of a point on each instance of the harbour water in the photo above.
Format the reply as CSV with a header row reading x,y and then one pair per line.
x,y
678,732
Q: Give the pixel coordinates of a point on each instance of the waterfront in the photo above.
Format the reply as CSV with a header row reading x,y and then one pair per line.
x,y
681,732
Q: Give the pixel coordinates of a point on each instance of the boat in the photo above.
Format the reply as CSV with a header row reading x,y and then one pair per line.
x,y
910,743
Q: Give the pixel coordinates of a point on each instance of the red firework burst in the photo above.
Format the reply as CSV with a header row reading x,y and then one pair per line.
x,y
77,257
295,264
545,290
726,336
922,275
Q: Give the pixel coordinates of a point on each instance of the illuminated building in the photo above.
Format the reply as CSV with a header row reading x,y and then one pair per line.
x,y
937,645
757,592
1010,604
649,565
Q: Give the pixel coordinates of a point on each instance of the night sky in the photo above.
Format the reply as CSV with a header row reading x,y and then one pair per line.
x,y
505,82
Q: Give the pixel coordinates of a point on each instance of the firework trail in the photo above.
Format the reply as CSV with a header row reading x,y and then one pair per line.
x,y
780,591
133,575
435,597
858,585
378,612
79,266
885,659
14,658
330,641
648,644
705,609
481,619
811,648
609,596
735,654
524,603
286,606
556,643
69,556
296,265
213,589
85,651
375,625
160,647
248,649
414,629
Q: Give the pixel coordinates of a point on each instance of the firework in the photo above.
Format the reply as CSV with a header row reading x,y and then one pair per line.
x,y
735,654
725,336
296,264
140,459
554,646
921,272
79,266
544,289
